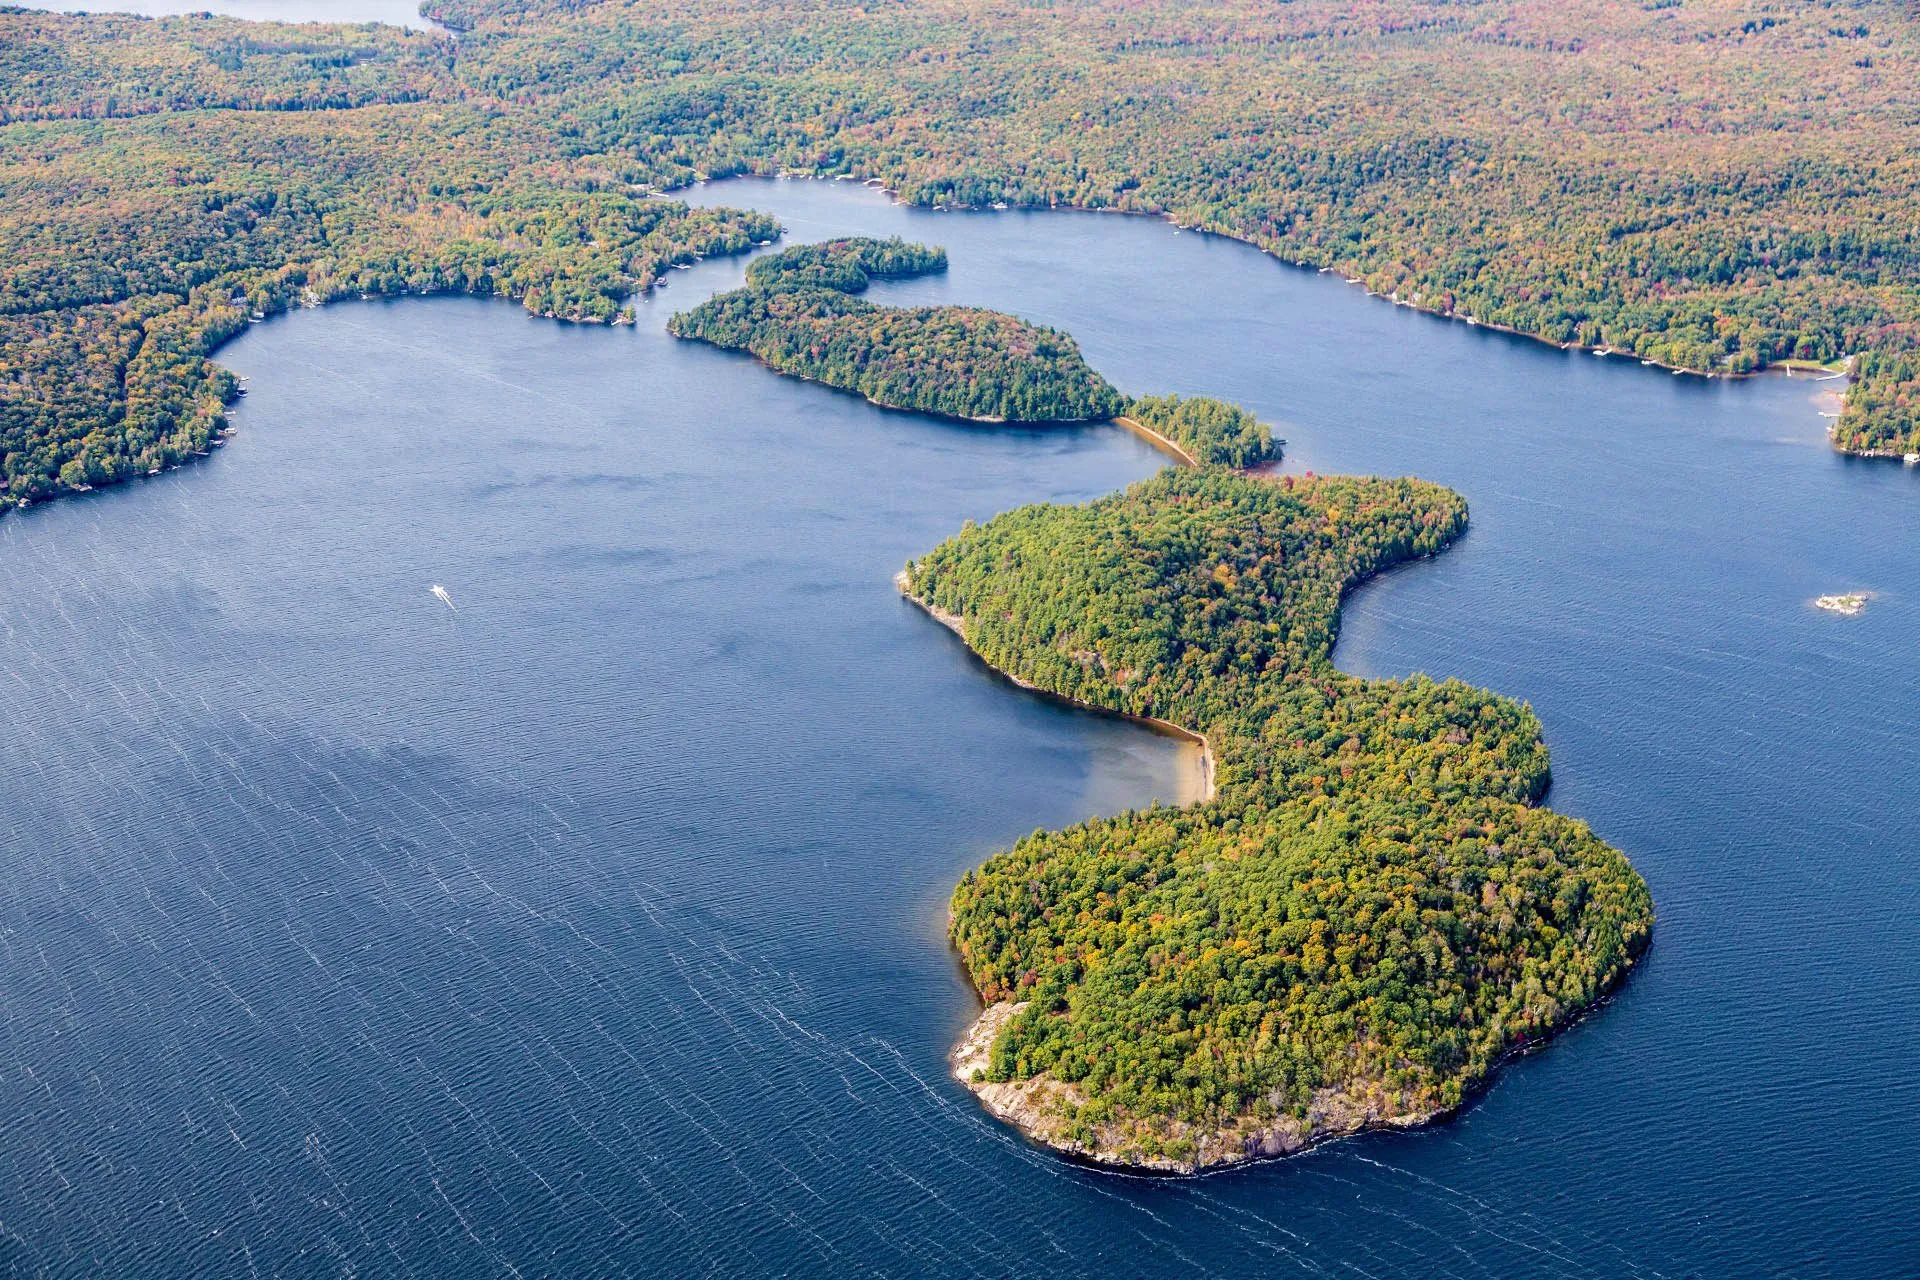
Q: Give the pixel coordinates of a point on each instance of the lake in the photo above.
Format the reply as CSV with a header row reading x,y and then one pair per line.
x,y
596,928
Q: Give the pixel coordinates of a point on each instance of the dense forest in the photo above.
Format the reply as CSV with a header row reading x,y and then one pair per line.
x,y
797,314
164,182
849,264
1719,185
1716,185
1370,912
1207,430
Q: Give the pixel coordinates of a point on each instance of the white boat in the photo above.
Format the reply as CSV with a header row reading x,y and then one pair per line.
x,y
1912,459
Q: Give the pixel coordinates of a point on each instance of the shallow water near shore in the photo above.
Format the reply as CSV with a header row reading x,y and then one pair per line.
x,y
596,928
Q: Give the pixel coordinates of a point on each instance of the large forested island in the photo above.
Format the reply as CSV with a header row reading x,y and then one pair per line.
x,y
798,314
1717,185
1366,917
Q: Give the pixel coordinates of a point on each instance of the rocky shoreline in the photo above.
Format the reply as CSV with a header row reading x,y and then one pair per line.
x,y
1034,1106
1041,1107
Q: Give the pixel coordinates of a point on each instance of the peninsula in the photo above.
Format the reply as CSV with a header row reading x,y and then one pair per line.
x,y
1367,917
1369,909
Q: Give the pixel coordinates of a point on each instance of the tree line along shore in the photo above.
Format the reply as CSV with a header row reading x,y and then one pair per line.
x,y
798,313
1689,183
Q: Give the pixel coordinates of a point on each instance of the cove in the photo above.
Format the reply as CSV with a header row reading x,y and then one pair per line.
x,y
597,928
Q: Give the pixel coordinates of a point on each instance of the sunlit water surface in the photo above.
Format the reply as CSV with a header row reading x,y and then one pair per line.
x,y
596,928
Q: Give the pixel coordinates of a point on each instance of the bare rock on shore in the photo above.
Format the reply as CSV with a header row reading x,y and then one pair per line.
x,y
1040,1107
1846,605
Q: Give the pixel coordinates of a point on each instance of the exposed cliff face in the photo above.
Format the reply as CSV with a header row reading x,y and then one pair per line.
x,y
1041,1107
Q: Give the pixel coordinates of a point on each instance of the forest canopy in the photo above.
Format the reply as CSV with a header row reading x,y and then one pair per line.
x,y
849,264
797,314
1370,912
1693,182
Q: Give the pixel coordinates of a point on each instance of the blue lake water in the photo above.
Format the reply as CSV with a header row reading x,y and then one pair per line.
x,y
596,928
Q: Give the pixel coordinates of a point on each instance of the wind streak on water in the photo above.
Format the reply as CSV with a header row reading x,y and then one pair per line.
x,y
322,958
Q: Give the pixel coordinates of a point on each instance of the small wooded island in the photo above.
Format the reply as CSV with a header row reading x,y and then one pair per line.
x,y
798,314
1371,910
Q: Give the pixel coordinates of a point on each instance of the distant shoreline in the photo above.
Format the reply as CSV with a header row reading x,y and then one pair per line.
x,y
1785,367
